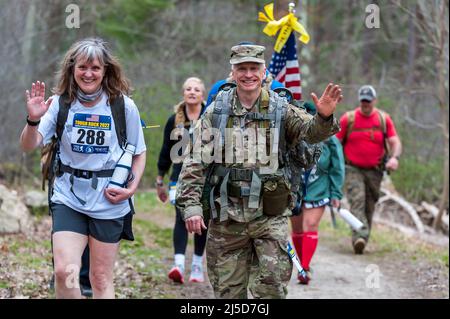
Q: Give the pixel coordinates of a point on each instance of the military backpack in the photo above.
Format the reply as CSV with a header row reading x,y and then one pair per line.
x,y
276,194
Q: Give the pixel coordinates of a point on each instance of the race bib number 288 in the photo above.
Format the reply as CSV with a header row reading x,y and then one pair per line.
x,y
91,134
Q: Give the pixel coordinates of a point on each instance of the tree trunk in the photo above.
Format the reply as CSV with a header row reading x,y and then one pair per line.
x,y
440,68
412,48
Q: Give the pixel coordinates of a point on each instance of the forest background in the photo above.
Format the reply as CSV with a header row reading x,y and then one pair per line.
x,y
161,43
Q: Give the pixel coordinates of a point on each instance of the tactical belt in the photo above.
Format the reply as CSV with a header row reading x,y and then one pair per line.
x,y
235,174
80,173
238,191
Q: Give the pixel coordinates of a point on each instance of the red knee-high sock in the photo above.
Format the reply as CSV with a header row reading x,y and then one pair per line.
x,y
309,245
297,239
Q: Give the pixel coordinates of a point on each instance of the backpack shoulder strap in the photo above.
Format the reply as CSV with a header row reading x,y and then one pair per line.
x,y
63,112
118,113
382,116
278,106
222,111
350,124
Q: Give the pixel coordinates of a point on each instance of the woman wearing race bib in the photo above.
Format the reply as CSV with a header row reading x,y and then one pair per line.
x,y
323,184
85,211
186,114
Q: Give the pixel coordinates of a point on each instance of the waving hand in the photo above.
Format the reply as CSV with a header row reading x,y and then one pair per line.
x,y
36,104
326,105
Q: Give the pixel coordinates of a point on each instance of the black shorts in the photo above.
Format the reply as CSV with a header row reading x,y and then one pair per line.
x,y
65,218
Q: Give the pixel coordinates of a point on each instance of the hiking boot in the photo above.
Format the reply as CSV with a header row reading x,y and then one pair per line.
x,y
176,273
359,245
196,274
304,280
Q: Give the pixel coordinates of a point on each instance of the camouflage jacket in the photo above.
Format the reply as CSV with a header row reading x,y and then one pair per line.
x,y
299,125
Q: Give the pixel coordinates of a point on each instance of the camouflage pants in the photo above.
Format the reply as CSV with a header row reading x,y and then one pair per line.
x,y
233,249
362,189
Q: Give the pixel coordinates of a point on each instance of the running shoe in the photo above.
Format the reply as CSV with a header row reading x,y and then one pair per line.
x,y
176,273
304,280
196,273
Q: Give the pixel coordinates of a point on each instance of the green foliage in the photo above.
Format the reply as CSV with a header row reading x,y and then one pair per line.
x,y
129,21
418,180
147,201
155,104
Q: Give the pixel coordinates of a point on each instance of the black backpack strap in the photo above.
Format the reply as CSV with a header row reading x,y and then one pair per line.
x,y
63,112
64,106
118,113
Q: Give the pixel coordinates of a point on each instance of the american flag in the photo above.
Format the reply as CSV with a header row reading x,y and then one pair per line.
x,y
93,118
285,68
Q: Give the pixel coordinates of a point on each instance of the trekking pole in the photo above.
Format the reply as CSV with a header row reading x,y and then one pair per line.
x,y
148,126
333,216
294,258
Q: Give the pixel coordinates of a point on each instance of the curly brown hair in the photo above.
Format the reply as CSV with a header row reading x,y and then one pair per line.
x,y
114,82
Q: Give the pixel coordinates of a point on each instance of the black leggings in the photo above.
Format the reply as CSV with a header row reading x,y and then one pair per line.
x,y
180,237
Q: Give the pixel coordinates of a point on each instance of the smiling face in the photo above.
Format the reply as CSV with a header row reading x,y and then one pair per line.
x,y
88,75
248,76
193,92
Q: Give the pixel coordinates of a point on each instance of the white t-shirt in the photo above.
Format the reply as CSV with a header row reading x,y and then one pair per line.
x,y
89,142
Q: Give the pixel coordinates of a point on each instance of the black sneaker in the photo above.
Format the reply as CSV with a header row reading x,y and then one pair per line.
x,y
86,291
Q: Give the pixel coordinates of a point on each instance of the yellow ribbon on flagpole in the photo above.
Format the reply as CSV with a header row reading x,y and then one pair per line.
x,y
285,25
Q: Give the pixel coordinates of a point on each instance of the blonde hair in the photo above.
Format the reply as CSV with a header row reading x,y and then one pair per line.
x,y
114,82
194,79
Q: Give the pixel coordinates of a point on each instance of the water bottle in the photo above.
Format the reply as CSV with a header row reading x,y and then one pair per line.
x,y
354,222
172,192
123,168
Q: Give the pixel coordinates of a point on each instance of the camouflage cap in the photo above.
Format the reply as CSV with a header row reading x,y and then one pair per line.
x,y
367,92
247,53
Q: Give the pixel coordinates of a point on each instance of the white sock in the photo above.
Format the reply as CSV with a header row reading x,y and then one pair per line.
x,y
197,260
179,259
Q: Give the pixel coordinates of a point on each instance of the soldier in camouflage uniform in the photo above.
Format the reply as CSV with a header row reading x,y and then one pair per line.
x,y
249,206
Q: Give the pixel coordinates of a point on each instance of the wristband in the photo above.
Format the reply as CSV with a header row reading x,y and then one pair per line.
x,y
31,123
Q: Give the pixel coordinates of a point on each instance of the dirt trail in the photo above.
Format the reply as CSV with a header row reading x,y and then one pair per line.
x,y
378,274
345,276
340,274
25,270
